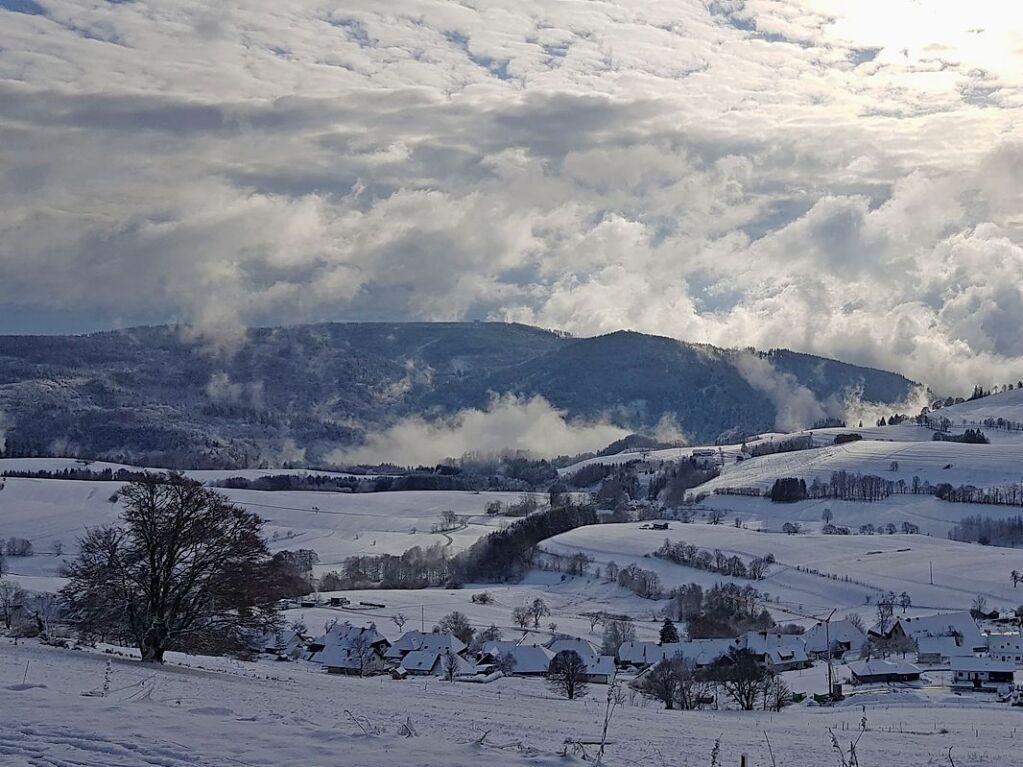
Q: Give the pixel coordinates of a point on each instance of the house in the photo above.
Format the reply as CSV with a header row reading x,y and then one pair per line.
x,y
433,662
415,641
933,650
883,671
600,670
981,674
526,659
640,654
348,649
959,624
780,652
844,637
1005,648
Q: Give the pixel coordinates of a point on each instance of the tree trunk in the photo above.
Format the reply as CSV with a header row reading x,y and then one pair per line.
x,y
151,647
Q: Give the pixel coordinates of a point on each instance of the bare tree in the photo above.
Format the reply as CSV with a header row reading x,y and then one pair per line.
x,y
12,596
662,681
399,620
521,616
58,547
456,624
449,665
567,674
741,677
184,569
538,609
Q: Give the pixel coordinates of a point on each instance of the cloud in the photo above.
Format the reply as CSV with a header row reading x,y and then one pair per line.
x,y
842,181
796,406
508,423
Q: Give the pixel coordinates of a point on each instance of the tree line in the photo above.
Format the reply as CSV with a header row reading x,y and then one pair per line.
x,y
689,555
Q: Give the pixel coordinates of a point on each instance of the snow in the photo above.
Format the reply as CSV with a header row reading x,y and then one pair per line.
x,y
205,712
335,525
935,462
872,563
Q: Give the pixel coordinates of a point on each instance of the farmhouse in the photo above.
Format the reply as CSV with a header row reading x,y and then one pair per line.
x,y
698,652
844,636
982,674
526,660
434,662
347,649
781,652
883,671
958,624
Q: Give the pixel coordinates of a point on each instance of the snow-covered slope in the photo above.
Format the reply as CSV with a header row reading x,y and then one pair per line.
x,y
934,462
335,525
872,563
1007,405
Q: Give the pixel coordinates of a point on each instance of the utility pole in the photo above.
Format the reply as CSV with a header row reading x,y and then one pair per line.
x,y
422,618
931,563
827,638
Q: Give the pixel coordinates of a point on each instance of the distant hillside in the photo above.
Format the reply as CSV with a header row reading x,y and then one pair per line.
x,y
145,395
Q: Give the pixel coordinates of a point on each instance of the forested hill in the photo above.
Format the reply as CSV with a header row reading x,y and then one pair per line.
x,y
148,396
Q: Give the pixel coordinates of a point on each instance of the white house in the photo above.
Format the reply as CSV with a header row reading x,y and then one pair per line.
x,y
1005,648
982,674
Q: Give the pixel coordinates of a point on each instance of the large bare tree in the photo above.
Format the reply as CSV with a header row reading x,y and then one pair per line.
x,y
185,569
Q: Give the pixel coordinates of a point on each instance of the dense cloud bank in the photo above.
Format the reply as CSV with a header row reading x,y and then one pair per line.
x,y
737,173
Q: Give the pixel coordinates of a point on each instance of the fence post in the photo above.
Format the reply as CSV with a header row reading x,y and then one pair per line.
x,y
743,761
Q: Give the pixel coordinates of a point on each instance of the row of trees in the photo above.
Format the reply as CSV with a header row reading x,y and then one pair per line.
x,y
988,531
689,555
787,445
678,683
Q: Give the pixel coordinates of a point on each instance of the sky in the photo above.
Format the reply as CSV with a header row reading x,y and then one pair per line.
x,y
838,178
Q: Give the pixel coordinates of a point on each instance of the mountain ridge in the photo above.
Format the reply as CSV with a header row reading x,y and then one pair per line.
x,y
146,394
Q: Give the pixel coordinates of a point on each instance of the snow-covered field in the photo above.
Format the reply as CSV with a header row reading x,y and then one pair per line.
x,y
204,712
990,465
335,525
873,563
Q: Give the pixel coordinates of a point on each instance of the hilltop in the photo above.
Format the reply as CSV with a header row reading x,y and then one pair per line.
x,y
292,395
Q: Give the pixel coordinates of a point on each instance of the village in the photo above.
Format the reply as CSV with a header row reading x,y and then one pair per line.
x,y
963,652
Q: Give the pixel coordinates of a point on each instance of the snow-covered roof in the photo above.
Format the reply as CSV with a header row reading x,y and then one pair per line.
x,y
641,652
335,656
339,640
602,664
875,667
584,648
944,624
529,659
946,647
411,641
787,654
341,634
762,642
973,664
843,631
420,660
